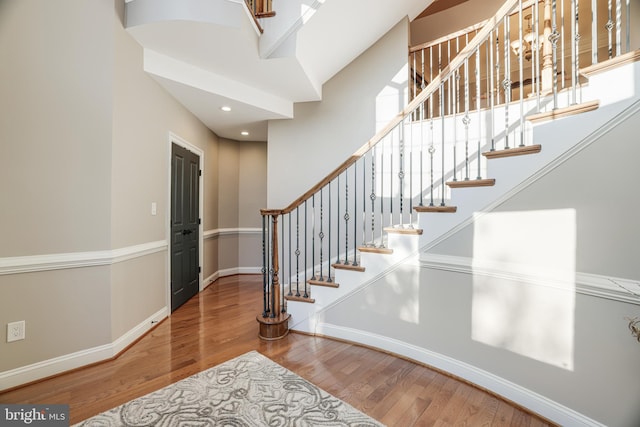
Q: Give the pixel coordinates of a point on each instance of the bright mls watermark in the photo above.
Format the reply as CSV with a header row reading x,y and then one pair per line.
x,y
34,415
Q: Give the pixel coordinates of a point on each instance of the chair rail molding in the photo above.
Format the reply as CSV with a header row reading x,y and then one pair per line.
x,y
600,286
46,262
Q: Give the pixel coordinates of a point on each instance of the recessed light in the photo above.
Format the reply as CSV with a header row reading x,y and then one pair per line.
x,y
225,108
244,133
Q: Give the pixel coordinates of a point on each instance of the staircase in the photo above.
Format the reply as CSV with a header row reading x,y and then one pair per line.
x,y
458,149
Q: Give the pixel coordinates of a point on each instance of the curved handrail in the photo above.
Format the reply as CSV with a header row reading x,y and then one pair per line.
x,y
431,88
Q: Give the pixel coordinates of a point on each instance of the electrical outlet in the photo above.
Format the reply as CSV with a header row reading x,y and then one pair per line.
x,y
15,331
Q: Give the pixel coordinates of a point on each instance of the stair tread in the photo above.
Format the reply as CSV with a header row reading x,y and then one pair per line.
x,y
398,230
438,208
511,152
375,250
348,267
563,112
300,299
319,282
488,182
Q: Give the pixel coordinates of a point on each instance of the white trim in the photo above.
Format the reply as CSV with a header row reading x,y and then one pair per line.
x,y
518,394
239,270
175,139
231,272
210,234
613,288
33,263
47,368
136,332
209,280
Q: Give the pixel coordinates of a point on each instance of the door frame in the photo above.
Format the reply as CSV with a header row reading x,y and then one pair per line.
x,y
175,139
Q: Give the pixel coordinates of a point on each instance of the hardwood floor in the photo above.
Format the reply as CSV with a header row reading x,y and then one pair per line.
x,y
219,324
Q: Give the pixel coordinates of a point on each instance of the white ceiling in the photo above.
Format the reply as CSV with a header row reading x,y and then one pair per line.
x,y
210,53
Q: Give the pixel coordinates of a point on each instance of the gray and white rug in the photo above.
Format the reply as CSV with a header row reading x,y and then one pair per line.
x,y
250,390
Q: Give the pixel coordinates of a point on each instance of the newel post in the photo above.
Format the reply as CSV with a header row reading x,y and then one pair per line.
x,y
275,266
273,321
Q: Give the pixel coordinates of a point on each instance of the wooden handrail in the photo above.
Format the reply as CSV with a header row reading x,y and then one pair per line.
x,y
260,9
431,88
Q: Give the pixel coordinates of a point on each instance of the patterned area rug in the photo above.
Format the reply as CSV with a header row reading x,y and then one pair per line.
x,y
250,390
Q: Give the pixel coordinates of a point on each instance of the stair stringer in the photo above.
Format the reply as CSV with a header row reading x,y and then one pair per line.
x,y
560,139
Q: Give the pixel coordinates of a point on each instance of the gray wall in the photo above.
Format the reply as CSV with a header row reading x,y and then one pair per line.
x,y
570,347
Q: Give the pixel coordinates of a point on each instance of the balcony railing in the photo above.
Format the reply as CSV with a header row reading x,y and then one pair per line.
x,y
537,41
261,8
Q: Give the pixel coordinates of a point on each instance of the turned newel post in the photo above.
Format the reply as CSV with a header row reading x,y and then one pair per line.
x,y
275,267
274,321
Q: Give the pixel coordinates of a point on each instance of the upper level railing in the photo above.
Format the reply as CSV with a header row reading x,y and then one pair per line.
x,y
261,8
578,33
474,92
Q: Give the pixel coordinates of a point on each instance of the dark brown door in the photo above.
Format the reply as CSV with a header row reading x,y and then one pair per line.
x,y
185,181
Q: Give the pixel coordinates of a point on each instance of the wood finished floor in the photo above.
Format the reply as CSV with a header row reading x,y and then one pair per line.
x,y
219,324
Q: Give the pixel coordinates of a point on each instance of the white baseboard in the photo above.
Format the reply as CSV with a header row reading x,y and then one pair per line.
x,y
239,270
229,272
142,328
520,395
57,365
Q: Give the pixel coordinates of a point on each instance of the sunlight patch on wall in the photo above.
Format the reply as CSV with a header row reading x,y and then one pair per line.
x,y
392,98
524,283
308,10
398,299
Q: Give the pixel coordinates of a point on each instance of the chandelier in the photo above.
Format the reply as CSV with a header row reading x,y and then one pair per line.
x,y
527,45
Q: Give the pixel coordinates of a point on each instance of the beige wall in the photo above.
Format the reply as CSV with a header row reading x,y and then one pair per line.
x,y
55,133
65,311
55,126
144,115
252,186
242,193
229,176
85,141
323,134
